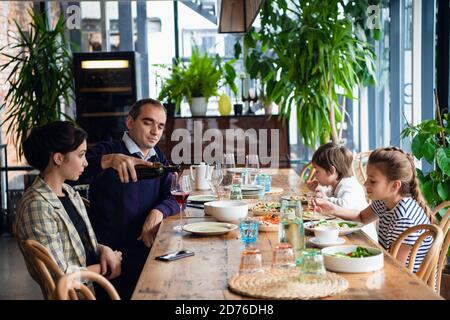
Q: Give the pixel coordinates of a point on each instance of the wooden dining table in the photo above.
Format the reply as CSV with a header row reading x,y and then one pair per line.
x,y
205,275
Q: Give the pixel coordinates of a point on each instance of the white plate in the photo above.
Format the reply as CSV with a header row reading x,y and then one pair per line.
x,y
314,241
241,170
251,188
202,198
342,232
352,265
209,228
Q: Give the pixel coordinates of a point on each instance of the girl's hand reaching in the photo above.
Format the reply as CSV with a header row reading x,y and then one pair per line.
x,y
325,206
312,185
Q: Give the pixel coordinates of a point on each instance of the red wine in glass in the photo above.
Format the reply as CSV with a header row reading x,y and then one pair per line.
x,y
180,196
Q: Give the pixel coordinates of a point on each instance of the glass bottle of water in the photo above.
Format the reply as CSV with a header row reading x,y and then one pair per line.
x,y
291,227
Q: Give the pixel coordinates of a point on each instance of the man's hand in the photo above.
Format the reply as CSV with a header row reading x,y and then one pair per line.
x,y
123,164
150,227
110,260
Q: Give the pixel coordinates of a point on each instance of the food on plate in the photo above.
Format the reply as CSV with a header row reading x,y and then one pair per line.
x,y
269,222
360,252
341,225
269,219
310,216
267,208
301,198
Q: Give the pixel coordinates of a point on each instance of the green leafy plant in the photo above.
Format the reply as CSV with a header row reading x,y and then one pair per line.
x,y
430,141
201,76
309,54
40,81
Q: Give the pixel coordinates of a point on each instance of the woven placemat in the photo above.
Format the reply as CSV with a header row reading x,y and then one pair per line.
x,y
286,285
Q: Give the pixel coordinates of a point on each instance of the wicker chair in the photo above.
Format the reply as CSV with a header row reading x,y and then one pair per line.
x,y
307,173
445,226
46,271
72,281
428,268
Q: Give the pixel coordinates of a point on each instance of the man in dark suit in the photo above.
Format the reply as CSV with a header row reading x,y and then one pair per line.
x,y
126,212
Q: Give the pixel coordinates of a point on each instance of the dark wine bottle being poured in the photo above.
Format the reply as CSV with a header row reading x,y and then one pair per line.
x,y
154,170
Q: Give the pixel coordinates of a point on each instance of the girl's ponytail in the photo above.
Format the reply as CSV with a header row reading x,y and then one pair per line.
x,y
415,191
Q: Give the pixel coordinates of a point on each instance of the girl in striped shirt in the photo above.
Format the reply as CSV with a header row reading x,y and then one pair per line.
x,y
397,202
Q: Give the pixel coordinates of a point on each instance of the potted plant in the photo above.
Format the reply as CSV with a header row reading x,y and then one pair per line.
x,y
170,90
430,141
41,81
200,80
308,54
197,81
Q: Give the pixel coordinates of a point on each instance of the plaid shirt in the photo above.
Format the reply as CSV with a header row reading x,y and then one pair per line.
x,y
42,217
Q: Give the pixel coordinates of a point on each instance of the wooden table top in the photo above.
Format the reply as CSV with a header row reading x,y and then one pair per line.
x,y
216,259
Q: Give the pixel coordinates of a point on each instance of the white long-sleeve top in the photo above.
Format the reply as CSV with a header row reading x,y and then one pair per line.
x,y
349,194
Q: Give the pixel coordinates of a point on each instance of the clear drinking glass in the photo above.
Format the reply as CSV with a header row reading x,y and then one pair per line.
x,y
283,256
291,226
311,198
251,261
180,189
312,267
251,167
248,228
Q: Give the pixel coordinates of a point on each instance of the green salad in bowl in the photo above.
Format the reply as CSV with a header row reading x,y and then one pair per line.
x,y
360,252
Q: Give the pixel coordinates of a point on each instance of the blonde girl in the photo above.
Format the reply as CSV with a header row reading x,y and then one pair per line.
x,y
397,202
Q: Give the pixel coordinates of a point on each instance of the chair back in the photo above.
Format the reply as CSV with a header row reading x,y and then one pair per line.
x,y
445,226
360,166
428,268
44,266
74,280
307,173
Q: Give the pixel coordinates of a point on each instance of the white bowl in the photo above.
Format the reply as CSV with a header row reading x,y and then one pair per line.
x,y
352,265
326,235
226,210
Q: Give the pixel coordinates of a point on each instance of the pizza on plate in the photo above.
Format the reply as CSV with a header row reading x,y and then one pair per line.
x,y
263,208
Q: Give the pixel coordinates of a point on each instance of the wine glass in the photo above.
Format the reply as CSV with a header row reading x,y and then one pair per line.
x,y
228,163
180,189
216,176
251,167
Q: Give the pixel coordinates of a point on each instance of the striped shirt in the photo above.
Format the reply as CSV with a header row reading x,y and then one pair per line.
x,y
406,214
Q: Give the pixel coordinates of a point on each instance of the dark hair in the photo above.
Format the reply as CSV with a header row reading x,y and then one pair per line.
x,y
136,107
396,164
58,136
332,155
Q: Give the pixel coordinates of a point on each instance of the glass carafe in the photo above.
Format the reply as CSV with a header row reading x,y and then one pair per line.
x,y
291,227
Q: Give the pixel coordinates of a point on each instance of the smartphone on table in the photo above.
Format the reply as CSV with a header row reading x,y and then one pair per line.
x,y
175,255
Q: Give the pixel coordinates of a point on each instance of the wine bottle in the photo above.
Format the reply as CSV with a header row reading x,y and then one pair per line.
x,y
154,170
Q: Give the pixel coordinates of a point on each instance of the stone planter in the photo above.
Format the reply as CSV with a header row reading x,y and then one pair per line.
x,y
199,105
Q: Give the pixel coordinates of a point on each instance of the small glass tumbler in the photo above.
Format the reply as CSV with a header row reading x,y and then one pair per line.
x,y
251,261
223,193
248,227
283,256
312,267
235,189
